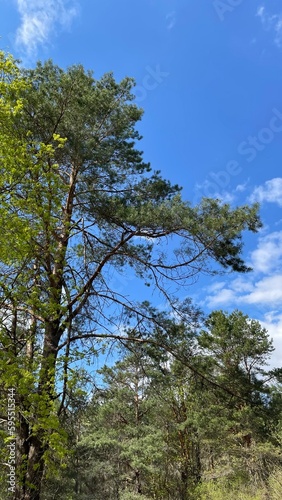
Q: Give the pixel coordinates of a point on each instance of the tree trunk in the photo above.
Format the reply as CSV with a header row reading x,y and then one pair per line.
x,y
30,463
31,445
184,483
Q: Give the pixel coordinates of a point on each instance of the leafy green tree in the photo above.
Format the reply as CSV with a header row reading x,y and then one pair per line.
x,y
237,344
169,427
139,436
236,350
126,445
78,205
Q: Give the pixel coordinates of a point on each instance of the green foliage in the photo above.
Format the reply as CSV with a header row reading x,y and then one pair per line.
x,y
133,496
78,204
224,490
146,429
275,484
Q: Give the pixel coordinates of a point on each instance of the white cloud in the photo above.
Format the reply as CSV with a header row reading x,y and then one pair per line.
x,y
273,22
268,255
242,285
222,294
225,197
263,287
273,323
258,291
271,192
221,298
266,291
40,19
215,287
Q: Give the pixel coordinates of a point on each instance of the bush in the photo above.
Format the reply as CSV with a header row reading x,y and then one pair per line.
x,y
223,491
275,484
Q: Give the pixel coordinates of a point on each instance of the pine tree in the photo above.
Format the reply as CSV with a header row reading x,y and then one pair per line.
x,y
79,204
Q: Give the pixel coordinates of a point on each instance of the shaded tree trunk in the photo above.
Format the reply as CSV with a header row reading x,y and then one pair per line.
x,y
31,446
30,462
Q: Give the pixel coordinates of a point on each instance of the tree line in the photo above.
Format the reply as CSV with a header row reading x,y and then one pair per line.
x,y
204,425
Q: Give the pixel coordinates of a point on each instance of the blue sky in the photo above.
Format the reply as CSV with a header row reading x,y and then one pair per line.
x,y
209,78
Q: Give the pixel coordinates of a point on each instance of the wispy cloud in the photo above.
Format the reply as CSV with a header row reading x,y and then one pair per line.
x,y
260,288
240,188
273,323
221,298
271,22
270,191
170,20
267,257
265,292
209,190
40,21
